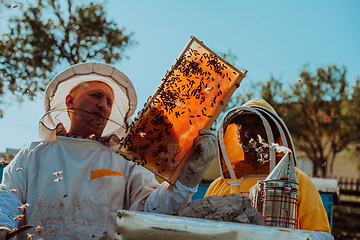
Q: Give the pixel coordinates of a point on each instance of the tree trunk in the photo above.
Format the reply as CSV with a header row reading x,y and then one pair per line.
x,y
315,169
323,171
331,170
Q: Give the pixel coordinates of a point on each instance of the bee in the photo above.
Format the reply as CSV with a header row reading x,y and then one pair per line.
x,y
30,236
18,169
19,217
58,179
23,206
214,99
57,173
13,190
92,236
38,228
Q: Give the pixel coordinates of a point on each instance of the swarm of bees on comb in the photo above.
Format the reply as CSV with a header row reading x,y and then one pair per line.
x,y
189,98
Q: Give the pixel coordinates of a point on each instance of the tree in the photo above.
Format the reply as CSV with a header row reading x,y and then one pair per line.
x,y
51,35
320,113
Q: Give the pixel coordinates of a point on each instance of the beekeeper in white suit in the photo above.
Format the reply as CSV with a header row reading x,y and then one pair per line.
x,y
70,184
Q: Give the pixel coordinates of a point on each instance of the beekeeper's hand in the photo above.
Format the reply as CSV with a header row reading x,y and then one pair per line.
x,y
206,148
3,234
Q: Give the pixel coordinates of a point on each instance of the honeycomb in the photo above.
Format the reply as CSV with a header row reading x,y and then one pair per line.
x,y
190,97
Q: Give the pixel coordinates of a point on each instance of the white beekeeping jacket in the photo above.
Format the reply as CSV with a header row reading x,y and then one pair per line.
x,y
75,187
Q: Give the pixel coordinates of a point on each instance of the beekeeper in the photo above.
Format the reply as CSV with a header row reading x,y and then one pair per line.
x,y
71,184
246,134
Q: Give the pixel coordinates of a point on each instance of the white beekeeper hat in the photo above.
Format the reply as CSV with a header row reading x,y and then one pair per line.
x,y
124,106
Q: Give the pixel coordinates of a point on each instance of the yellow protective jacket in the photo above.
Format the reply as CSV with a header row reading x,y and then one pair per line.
x,y
311,212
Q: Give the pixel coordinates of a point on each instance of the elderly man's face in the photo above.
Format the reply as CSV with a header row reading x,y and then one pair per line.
x,y
90,107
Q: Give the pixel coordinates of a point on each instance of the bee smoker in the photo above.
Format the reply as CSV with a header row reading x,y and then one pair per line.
x,y
276,197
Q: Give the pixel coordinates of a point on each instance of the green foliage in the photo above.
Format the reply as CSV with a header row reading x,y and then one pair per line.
x,y
353,154
320,112
50,35
317,116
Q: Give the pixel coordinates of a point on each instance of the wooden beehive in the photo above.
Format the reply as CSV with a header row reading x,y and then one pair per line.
x,y
190,97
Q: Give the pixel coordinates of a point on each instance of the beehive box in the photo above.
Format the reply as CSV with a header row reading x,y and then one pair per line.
x,y
190,97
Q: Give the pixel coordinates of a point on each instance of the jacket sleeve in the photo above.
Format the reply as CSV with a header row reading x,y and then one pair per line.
x,y
13,191
311,212
221,187
8,207
145,194
318,235
168,199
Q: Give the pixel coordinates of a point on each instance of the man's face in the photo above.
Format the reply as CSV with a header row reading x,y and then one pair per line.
x,y
253,138
90,107
250,127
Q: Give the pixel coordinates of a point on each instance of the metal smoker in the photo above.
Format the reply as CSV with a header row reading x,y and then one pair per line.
x,y
276,197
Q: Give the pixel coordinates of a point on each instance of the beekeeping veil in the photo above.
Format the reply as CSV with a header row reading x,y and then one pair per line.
x,y
233,161
124,105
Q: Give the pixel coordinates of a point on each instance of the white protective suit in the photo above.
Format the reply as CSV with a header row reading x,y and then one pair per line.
x,y
75,186
95,183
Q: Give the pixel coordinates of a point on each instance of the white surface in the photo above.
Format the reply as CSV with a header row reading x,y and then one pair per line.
x,y
326,185
140,225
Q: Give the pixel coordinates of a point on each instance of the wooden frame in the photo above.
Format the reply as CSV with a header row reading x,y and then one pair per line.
x,y
190,97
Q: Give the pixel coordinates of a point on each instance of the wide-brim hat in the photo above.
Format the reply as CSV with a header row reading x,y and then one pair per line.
x,y
125,99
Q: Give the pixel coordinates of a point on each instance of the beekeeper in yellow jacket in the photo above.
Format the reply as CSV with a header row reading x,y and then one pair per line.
x,y
245,164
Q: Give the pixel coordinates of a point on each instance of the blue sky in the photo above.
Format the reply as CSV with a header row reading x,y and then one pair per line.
x,y
270,38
